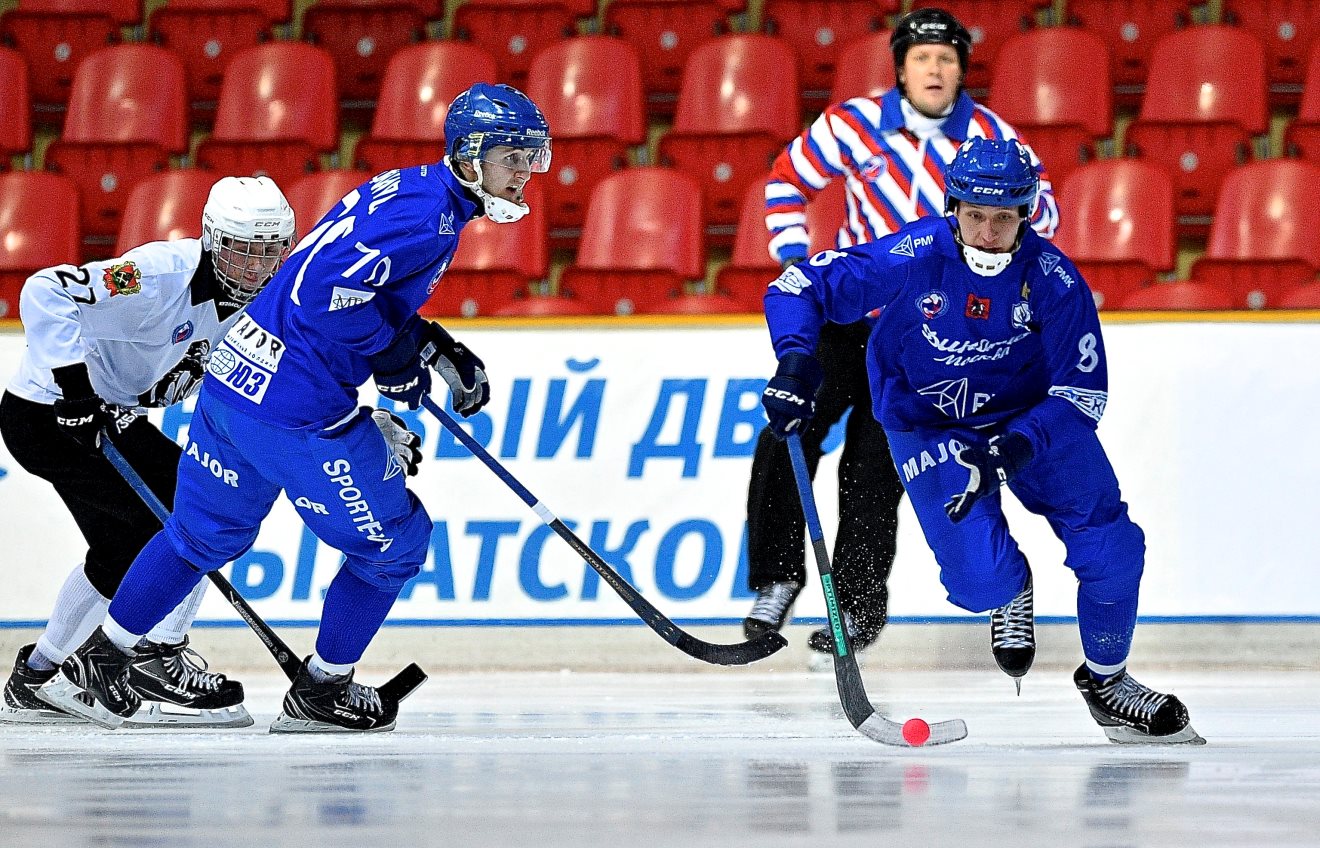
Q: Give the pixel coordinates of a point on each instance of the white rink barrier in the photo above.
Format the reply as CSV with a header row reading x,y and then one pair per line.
x,y
640,434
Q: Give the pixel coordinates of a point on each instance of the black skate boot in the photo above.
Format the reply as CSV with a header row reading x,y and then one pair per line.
x,y
20,705
176,688
862,633
770,612
1131,713
1013,635
337,705
99,669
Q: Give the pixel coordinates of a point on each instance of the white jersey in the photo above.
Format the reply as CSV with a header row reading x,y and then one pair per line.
x,y
135,321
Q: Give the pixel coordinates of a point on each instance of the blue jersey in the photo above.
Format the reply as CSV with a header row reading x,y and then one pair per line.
x,y
298,355
950,348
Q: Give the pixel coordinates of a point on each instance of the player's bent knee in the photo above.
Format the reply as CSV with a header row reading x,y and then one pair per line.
x,y
1109,561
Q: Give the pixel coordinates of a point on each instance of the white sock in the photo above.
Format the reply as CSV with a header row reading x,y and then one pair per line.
x,y
118,635
176,624
78,609
322,671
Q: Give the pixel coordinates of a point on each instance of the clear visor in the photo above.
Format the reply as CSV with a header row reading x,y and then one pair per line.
x,y
535,160
244,267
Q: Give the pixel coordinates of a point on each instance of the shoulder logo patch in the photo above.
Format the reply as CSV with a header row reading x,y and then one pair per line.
x,y
124,278
182,333
904,247
1047,262
342,298
446,224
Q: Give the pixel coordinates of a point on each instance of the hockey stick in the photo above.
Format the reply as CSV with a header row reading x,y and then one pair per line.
x,y
397,687
852,694
741,653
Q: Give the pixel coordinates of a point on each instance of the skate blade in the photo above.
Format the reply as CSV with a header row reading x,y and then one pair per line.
x,y
165,714
284,724
18,715
63,693
1123,735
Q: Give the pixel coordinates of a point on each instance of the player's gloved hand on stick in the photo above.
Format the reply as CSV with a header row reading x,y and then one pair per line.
x,y
399,372
991,465
462,369
790,396
404,443
80,413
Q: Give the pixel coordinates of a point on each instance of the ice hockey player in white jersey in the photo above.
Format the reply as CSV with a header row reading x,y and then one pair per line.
x,y
104,341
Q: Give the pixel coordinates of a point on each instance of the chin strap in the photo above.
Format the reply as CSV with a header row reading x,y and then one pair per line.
x,y
983,262
497,209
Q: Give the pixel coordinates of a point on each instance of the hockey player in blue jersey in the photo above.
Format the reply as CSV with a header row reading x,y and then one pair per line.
x,y
278,412
987,368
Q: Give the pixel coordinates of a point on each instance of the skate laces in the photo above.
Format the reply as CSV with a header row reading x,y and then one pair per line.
x,y
1124,694
363,698
1011,624
190,669
773,601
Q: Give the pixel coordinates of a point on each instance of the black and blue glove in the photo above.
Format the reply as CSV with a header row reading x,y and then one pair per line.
x,y
399,372
790,396
80,413
991,465
460,368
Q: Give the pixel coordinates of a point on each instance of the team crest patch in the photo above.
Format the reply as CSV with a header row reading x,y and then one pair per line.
x,y
978,307
124,278
182,333
932,304
874,167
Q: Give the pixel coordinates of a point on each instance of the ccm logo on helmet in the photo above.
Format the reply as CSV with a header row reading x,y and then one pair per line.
x,y
986,190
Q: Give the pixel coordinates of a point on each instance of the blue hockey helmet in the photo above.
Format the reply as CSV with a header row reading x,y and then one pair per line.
x,y
992,172
487,116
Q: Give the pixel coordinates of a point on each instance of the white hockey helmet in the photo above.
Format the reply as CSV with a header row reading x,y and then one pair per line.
x,y
247,225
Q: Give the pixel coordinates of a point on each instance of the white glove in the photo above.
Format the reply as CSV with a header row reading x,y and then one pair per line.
x,y
404,443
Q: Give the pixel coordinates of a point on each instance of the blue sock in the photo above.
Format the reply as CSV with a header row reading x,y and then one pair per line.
x,y
353,612
154,585
1106,631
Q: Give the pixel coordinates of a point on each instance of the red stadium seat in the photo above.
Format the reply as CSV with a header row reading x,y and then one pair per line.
x,y
1057,93
1204,101
362,35
818,30
665,32
206,34
1302,137
420,82
277,112
1119,226
55,35
165,207
1130,29
738,108
39,217
1178,295
590,90
127,116
1286,28
312,196
494,263
537,305
991,23
641,242
865,68
1262,240
514,31
1303,297
15,107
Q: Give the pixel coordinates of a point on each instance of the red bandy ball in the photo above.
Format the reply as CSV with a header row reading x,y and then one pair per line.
x,y
916,731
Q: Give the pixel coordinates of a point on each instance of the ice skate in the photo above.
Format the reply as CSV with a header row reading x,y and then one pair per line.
x,y
176,689
821,641
337,705
19,703
770,611
1133,714
98,669
1013,635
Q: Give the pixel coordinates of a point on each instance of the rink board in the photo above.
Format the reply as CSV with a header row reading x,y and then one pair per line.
x,y
640,436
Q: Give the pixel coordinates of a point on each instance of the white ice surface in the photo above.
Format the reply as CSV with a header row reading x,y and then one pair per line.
x,y
720,759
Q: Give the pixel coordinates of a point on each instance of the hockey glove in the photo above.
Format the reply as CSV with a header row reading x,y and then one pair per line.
x,y
790,396
403,443
399,372
80,413
462,369
991,466
184,379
